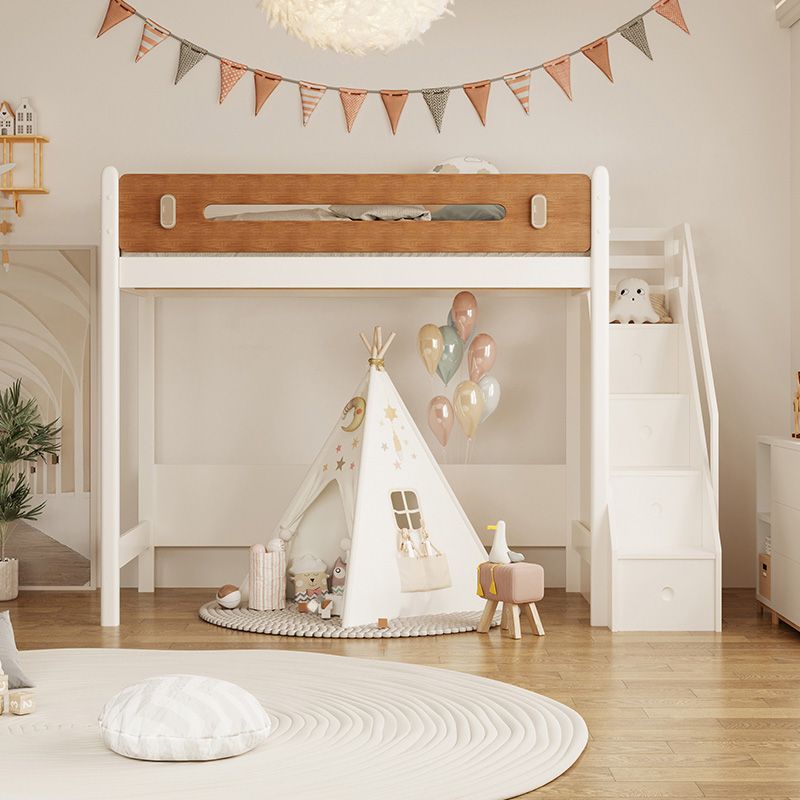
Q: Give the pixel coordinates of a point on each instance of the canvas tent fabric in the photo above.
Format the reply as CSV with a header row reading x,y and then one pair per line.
x,y
388,480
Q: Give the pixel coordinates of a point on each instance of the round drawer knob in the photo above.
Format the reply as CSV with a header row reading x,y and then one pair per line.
x,y
667,594
656,509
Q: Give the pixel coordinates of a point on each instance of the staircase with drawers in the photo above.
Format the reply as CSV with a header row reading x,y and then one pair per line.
x,y
663,521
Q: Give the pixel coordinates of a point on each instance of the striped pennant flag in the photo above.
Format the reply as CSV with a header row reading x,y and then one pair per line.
x,y
265,84
117,12
394,101
597,53
437,103
478,94
352,100
520,85
189,57
636,34
230,73
671,10
152,35
560,70
310,95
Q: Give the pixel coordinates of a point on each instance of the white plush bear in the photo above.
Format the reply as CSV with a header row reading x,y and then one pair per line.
x,y
632,303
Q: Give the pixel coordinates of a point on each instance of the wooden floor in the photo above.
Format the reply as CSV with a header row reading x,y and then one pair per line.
x,y
670,715
43,561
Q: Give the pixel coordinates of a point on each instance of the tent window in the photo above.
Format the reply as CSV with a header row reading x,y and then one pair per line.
x,y
406,510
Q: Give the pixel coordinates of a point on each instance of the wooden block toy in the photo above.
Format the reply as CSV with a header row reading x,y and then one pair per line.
x,y
21,703
383,623
302,608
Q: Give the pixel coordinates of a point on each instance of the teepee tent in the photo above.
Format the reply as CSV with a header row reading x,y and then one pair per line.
x,y
413,551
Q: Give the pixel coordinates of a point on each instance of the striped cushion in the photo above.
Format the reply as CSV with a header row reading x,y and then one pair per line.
x,y
183,718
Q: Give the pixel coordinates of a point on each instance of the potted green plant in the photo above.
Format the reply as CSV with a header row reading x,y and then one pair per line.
x,y
23,438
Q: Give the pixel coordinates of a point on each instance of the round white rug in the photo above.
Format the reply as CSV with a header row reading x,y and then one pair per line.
x,y
290,622
343,728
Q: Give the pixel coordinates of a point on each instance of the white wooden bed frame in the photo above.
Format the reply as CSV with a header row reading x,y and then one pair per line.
x,y
148,275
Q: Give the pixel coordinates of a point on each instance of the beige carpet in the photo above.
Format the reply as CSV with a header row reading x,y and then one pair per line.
x,y
343,729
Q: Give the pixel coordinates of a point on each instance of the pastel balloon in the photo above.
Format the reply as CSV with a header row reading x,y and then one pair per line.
x,y
481,356
468,405
464,314
453,325
452,354
441,418
430,345
490,388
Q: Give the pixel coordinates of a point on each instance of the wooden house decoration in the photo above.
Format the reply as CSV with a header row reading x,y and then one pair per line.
x,y
7,119
25,119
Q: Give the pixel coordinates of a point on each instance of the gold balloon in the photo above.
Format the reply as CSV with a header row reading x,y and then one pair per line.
x,y
468,405
430,345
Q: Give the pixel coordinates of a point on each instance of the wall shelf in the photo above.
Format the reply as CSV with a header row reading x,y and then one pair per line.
x,y
7,186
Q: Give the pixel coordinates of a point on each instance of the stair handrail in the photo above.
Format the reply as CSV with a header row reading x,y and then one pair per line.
x,y
692,286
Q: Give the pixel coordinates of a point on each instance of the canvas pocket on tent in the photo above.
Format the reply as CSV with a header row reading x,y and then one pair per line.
x,y
423,573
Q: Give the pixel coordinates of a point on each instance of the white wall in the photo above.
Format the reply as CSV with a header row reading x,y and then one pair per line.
x,y
701,134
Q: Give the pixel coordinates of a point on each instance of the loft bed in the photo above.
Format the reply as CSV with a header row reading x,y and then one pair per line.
x,y
159,238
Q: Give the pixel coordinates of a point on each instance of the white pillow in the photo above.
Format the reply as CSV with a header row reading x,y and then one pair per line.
x,y
183,718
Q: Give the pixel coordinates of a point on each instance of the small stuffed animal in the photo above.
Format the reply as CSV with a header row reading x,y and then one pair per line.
x,y
310,576
339,576
632,303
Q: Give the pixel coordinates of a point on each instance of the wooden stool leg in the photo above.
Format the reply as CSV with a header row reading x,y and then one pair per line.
x,y
504,618
514,630
487,616
532,615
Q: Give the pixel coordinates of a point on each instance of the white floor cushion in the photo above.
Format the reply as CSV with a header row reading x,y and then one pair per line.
x,y
183,718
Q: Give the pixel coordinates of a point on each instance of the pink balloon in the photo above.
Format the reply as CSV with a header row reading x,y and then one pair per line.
x,y
441,418
464,314
481,355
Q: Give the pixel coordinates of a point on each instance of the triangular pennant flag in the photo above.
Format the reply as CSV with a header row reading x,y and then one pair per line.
x,y
152,34
597,53
265,84
190,56
636,34
116,12
352,100
478,94
394,101
671,10
310,95
520,84
230,73
437,102
560,71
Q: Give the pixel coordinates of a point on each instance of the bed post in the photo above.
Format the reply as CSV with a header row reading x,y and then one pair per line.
x,y
108,281
600,534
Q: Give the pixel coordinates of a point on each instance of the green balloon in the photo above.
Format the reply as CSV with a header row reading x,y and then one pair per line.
x,y
451,355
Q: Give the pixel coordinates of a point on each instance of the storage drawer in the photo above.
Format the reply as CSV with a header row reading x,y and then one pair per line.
x,y
785,472
765,576
786,594
786,531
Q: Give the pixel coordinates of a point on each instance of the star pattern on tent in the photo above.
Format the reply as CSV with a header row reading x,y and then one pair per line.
x,y
384,447
413,455
340,464
6,227
398,465
324,467
352,465
338,448
356,443
390,413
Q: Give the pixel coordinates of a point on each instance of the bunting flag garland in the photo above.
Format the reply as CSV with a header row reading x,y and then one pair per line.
x,y
560,70
152,34
265,85
478,94
520,84
394,101
671,10
352,100
310,95
230,73
189,57
636,34
437,103
116,12
597,53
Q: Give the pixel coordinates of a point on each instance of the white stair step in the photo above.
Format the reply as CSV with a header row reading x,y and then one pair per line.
x,y
644,359
669,554
636,262
657,510
649,430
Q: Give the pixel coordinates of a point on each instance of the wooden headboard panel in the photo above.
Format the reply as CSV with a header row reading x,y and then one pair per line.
x,y
567,229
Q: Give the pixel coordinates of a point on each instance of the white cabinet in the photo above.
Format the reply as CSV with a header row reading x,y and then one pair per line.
x,y
778,528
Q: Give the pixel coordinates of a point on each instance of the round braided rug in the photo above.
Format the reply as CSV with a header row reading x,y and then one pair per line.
x,y
342,729
290,622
